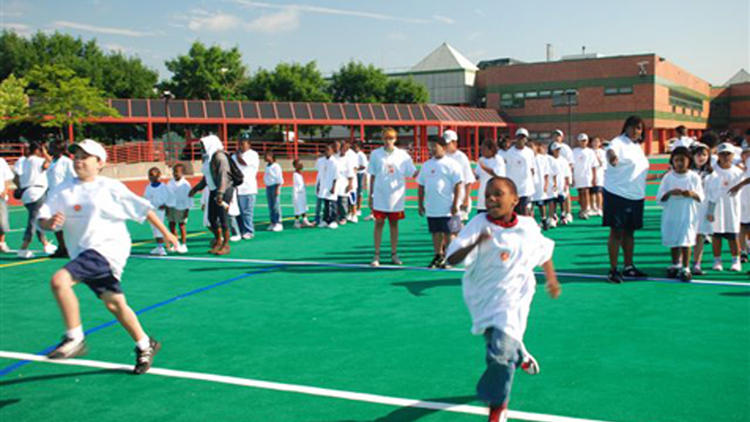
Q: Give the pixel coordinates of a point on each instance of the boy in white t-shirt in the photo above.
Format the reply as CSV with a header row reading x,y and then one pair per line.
x,y
500,250
467,174
299,196
328,172
91,211
560,185
273,178
585,163
158,195
597,196
490,164
320,164
388,169
439,195
519,167
178,204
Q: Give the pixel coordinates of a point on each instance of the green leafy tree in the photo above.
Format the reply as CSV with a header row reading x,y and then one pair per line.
x,y
61,98
288,82
14,103
406,91
357,83
210,73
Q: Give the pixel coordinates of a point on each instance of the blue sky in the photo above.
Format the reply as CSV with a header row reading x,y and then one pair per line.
x,y
709,39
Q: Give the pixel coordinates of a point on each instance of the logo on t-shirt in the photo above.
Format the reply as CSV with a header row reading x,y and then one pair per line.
x,y
390,169
76,207
504,256
725,183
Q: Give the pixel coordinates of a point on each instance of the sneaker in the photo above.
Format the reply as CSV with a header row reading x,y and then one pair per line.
x,y
545,225
4,247
50,248
498,414
435,263
697,270
354,219
717,266
375,261
369,218
171,248
685,276
333,225
25,254
158,251
529,364
307,223
342,222
182,248
633,272
270,227
552,223
297,224
736,267
614,277
144,358
672,272
323,224
568,218
235,238
359,213
743,256
395,259
583,215
68,349
277,227
443,264
248,236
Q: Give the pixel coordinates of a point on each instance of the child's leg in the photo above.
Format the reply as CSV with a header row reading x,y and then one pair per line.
x,y
118,306
183,233
698,250
437,243
503,356
62,288
685,253
393,224
613,245
445,243
173,228
716,246
675,256
378,234
734,247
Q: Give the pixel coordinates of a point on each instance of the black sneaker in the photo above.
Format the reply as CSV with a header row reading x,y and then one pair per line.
x,y
673,272
743,258
68,349
633,272
435,263
685,276
614,277
144,358
443,264
697,270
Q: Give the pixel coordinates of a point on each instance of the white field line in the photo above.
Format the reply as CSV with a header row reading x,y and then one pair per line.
x,y
301,389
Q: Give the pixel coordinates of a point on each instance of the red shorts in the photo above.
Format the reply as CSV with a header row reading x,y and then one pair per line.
x,y
391,216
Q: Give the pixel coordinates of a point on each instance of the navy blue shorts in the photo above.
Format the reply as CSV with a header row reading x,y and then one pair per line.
x,y
438,224
622,213
92,269
596,189
727,236
523,205
560,199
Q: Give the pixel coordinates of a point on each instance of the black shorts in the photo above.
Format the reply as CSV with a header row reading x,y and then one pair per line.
x,y
523,205
728,236
438,224
92,269
560,199
481,211
745,226
596,189
622,213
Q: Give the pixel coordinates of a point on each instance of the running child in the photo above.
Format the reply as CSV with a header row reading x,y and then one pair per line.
x,y
157,194
273,177
299,196
500,250
490,164
91,211
439,195
178,204
680,193
584,174
723,208
597,197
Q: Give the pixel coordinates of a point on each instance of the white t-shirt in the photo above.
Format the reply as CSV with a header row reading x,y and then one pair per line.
x,y
33,179
95,215
362,162
679,219
499,281
327,174
319,164
583,167
566,151
18,166
519,164
6,175
347,170
728,209
563,173
467,173
541,171
390,171
497,165
745,196
683,141
158,196
352,161
179,194
273,175
601,160
439,177
628,178
299,194
59,171
249,171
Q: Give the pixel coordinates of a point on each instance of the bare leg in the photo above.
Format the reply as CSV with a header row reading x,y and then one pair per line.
x,y
62,288
698,251
378,234
716,246
116,304
437,242
183,233
685,256
675,255
172,228
613,246
628,246
394,235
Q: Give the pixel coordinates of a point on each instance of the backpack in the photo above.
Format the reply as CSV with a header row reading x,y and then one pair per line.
x,y
235,174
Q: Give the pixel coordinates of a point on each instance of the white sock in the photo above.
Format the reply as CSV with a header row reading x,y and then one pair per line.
x,y
143,343
75,333
735,260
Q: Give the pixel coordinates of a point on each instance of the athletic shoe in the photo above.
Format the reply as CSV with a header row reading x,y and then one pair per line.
x,y
697,270
333,225
342,222
633,272
717,266
247,236
68,349
552,222
182,248
307,223
25,254
359,213
144,358
277,227
269,228
323,224
395,259
158,251
685,275
297,224
568,218
369,218
498,414
354,219
743,257
583,215
4,247
435,263
614,277
736,267
529,364
375,261
545,225
235,238
672,272
49,248
171,248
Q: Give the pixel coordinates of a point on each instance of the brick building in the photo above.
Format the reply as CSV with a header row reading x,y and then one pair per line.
x,y
730,104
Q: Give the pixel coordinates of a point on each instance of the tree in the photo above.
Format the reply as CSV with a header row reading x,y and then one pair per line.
x,y
407,91
288,82
14,103
357,83
60,98
207,73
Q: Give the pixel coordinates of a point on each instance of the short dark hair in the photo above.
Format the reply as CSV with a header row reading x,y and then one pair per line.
x,y
439,140
506,181
681,130
633,121
681,151
178,165
154,169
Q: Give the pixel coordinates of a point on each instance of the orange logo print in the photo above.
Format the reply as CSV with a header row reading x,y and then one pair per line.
x,y
77,207
504,256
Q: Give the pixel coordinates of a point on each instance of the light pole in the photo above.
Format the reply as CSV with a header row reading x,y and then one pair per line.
x,y
569,94
167,95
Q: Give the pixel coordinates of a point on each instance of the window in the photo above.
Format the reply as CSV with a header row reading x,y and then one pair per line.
x,y
610,91
625,90
545,94
506,96
685,101
613,90
518,95
513,103
557,92
531,94
567,97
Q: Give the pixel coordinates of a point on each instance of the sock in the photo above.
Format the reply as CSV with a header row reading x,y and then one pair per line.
x,y
717,260
143,343
677,265
75,333
735,260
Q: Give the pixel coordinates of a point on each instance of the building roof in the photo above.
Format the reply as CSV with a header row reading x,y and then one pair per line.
x,y
741,77
444,57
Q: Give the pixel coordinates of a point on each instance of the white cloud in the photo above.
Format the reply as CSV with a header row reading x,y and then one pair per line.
x,y
286,20
443,19
102,29
19,28
213,22
329,11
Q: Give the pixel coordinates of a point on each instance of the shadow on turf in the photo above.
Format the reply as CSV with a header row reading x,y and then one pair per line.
x,y
405,414
57,376
735,294
417,288
8,402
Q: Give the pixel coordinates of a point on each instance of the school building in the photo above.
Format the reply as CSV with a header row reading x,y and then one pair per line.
x,y
730,104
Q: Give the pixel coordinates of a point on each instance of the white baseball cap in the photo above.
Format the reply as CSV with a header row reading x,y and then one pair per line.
x,y
555,146
91,147
582,137
558,132
725,147
450,135
522,132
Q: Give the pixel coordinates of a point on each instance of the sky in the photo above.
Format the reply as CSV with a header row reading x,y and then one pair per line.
x,y
709,39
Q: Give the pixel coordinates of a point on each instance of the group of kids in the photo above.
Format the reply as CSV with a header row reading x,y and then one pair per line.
x,y
500,246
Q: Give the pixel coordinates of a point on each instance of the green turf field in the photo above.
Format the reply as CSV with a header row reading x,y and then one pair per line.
x,y
641,351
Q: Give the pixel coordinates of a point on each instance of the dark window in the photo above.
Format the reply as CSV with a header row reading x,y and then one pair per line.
x,y
139,108
300,110
681,99
285,110
249,110
266,111
569,97
195,109
213,109
232,109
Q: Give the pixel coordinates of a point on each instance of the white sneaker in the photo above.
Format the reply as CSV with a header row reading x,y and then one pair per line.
x,y
569,217
552,223
49,248
297,224
323,224
333,225
158,251
235,238
736,267
375,261
369,218
25,254
182,248
717,266
247,236
359,213
354,219
277,227
270,227
4,247
306,223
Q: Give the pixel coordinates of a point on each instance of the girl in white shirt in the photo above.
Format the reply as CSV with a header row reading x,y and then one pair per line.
x,y
158,195
701,165
597,198
299,196
273,177
490,164
724,208
680,193
584,174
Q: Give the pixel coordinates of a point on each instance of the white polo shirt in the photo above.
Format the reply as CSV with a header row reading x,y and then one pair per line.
x,y
628,178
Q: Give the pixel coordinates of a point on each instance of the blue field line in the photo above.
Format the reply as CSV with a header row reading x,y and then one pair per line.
x,y
10,368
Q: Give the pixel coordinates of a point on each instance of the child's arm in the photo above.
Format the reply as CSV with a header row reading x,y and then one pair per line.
x,y
736,188
420,195
169,238
553,286
53,223
369,197
456,192
460,254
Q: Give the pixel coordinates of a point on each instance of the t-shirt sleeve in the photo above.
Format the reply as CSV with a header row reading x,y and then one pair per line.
x,y
664,187
468,172
409,168
540,247
420,177
467,236
698,187
127,205
51,205
372,166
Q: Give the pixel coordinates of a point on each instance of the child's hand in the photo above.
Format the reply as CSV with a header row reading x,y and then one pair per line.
x,y
56,221
171,240
734,189
553,287
421,210
710,217
484,236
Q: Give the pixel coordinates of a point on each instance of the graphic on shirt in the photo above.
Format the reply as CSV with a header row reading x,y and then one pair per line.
x,y
77,207
390,168
504,256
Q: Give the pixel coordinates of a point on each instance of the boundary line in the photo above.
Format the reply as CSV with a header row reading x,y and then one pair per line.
x,y
301,389
413,268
